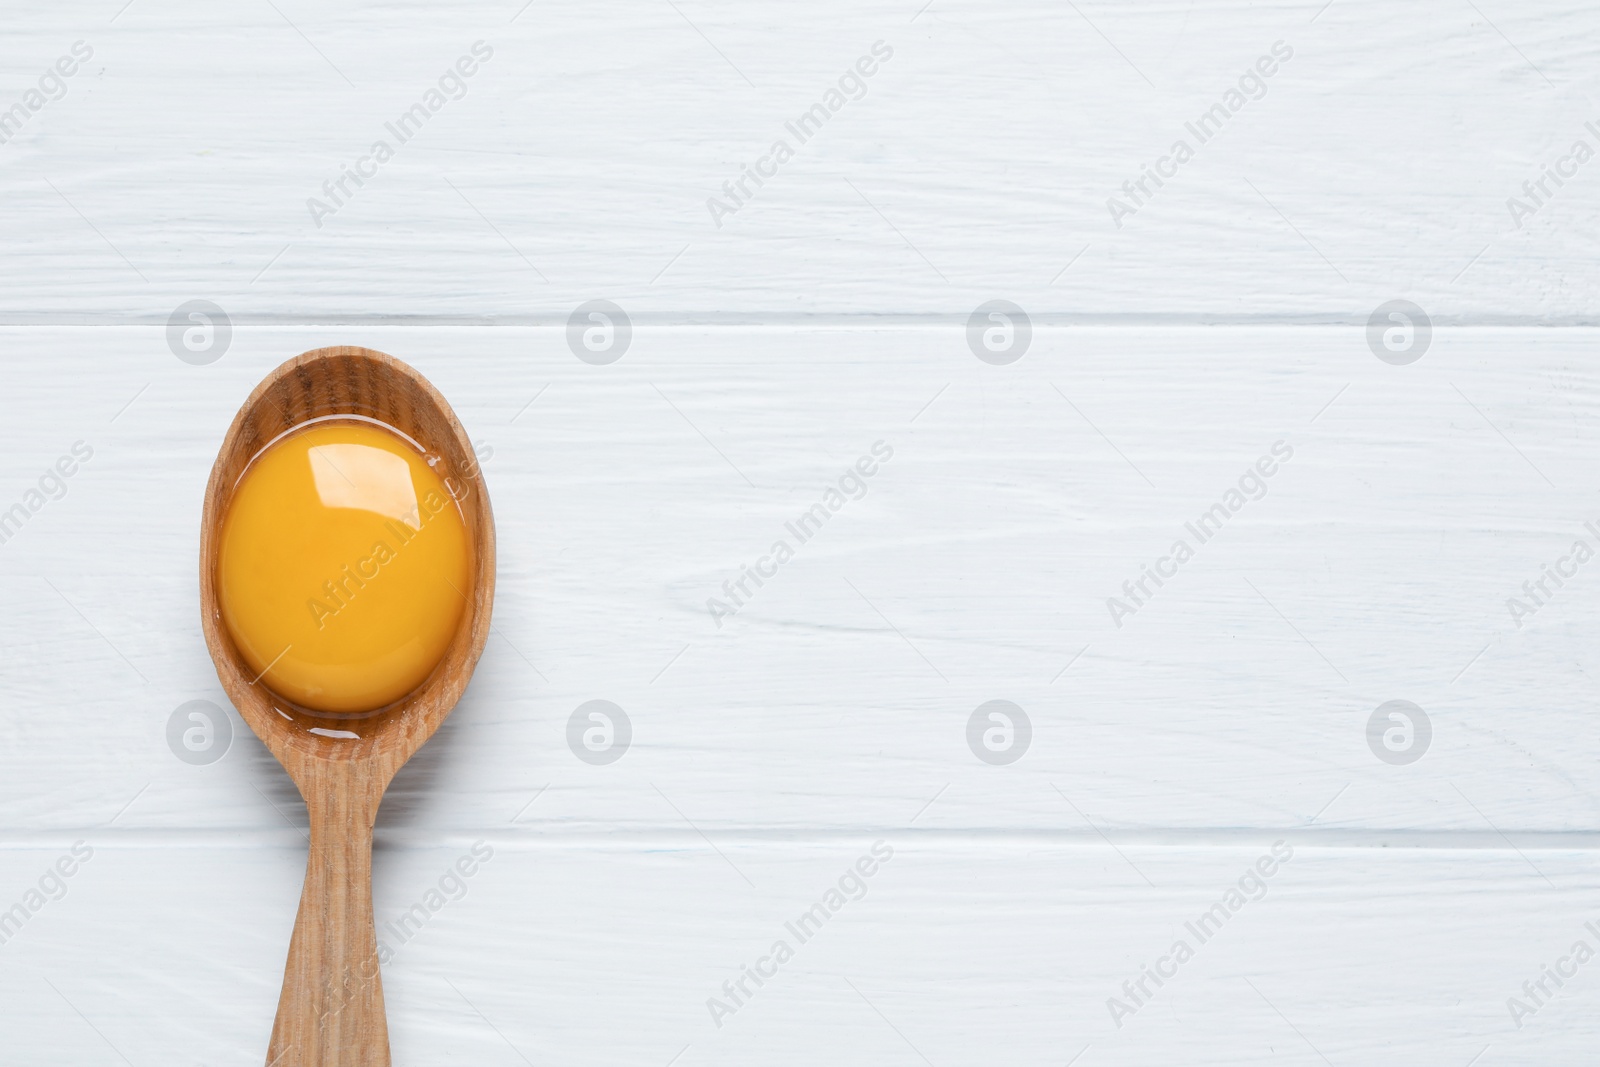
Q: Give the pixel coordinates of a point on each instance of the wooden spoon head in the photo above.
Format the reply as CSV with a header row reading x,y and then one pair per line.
x,y
346,380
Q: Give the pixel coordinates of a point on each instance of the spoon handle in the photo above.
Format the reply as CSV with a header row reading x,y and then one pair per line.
x,y
330,1013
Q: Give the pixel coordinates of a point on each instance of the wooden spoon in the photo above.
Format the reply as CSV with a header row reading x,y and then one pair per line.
x,y
331,1009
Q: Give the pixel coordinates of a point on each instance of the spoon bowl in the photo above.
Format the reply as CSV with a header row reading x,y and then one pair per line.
x,y
331,1009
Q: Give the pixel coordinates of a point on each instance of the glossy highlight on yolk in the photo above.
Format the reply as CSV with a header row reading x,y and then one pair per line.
x,y
343,567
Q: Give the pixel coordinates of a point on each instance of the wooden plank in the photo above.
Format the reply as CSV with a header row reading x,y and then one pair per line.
x,y
1179,332
951,956
1377,161
977,567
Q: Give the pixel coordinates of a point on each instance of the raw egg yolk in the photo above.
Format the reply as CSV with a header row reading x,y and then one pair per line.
x,y
343,567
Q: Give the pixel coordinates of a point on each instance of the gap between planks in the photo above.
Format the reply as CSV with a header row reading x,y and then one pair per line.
x,y
531,838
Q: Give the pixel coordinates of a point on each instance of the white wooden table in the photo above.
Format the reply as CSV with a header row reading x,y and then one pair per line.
x,y
776,736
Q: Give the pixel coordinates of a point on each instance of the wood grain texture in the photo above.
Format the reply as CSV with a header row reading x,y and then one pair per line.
x,y
331,1009
805,727
768,355
1391,541
974,953
979,162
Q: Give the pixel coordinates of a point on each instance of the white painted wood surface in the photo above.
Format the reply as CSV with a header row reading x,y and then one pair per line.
x,y
979,162
831,711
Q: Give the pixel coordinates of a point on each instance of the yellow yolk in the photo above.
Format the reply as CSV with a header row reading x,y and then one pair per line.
x,y
343,567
